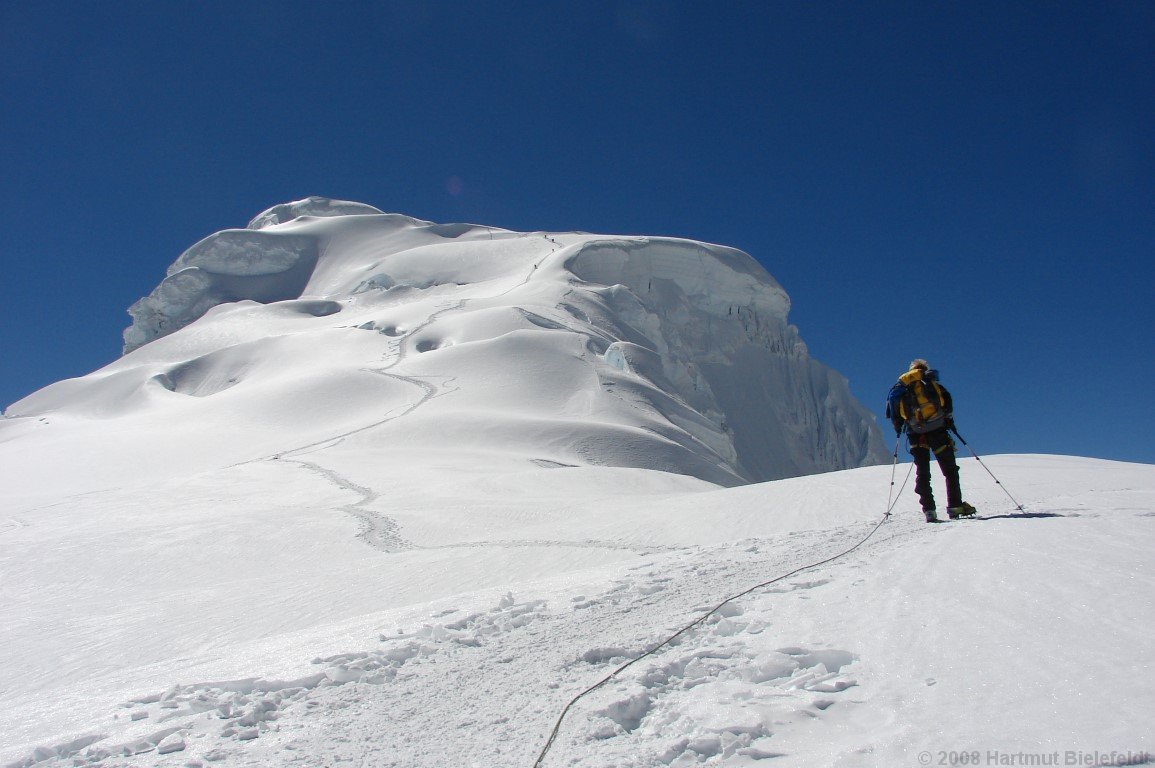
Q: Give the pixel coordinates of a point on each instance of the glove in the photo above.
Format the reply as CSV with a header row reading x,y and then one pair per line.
x,y
950,423
898,429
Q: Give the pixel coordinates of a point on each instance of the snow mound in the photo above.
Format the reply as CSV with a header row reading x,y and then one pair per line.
x,y
330,322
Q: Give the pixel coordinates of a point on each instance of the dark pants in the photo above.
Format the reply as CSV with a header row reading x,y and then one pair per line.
x,y
921,446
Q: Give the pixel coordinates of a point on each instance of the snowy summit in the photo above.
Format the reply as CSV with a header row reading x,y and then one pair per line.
x,y
507,347
370,490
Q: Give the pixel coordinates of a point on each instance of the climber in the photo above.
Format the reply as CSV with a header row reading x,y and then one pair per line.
x,y
923,407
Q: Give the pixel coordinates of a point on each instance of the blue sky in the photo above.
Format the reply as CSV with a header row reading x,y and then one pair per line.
x,y
969,182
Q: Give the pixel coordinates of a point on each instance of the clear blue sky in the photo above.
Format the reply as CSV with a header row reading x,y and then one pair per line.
x,y
971,182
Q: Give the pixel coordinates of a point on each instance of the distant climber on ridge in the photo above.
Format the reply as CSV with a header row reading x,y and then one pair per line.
x,y
923,407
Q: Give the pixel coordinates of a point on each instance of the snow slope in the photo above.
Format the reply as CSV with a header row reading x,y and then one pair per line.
x,y
241,616
326,320
370,490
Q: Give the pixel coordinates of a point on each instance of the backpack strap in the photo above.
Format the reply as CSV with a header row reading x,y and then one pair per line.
x,y
939,402
894,401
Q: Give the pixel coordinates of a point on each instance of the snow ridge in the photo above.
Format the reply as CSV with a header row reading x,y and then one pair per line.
x,y
662,353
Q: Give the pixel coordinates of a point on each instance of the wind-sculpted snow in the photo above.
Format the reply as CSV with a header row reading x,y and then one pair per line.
x,y
310,206
713,323
328,322
233,265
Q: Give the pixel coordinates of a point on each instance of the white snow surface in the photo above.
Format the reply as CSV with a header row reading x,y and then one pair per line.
x,y
404,516
510,347
327,609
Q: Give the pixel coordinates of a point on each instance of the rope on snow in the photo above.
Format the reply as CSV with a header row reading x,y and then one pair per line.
x,y
557,726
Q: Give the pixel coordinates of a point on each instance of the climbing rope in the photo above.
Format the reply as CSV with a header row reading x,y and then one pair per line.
x,y
557,726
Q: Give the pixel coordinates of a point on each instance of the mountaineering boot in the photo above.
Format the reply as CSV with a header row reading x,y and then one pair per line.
x,y
966,510
931,517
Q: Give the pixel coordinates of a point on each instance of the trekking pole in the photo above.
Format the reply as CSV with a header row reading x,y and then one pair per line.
x,y
1018,506
893,469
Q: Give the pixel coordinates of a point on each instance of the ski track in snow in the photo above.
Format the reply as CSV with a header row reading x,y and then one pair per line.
x,y
377,530
380,531
429,391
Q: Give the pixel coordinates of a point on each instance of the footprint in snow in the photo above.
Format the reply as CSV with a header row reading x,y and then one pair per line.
x,y
717,700
246,707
